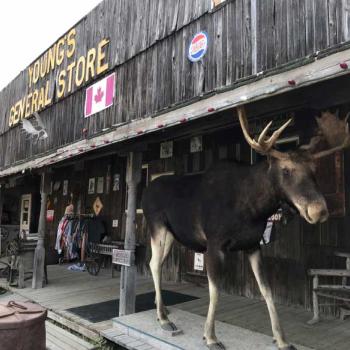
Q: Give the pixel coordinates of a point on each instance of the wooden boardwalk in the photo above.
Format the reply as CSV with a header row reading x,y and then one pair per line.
x,y
69,289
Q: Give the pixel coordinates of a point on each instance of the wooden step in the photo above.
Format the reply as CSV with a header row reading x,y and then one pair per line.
x,y
58,338
74,326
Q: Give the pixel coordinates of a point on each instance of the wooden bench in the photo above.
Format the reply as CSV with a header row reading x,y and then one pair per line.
x,y
339,292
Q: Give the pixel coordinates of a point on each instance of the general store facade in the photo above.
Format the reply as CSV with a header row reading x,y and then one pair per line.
x,y
277,58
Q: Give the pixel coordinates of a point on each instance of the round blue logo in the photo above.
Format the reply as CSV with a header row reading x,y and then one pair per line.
x,y
198,46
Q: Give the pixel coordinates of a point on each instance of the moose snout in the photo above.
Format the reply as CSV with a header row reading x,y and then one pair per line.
x,y
317,212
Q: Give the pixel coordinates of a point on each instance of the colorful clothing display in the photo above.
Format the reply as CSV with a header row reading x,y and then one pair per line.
x,y
74,233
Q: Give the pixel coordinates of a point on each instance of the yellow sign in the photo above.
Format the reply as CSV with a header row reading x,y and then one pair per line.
x,y
74,74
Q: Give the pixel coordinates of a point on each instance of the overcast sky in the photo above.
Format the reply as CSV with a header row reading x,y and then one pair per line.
x,y
29,27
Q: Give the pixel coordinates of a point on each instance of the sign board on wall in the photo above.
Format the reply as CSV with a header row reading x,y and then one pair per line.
x,y
91,188
198,47
166,149
199,261
99,96
196,144
58,72
100,182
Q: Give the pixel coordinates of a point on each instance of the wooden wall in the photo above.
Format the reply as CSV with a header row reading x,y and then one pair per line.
x,y
152,70
78,176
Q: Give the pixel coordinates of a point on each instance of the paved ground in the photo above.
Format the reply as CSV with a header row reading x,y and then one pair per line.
x,y
70,289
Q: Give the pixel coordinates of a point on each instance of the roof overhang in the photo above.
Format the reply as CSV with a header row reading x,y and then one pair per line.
x,y
260,86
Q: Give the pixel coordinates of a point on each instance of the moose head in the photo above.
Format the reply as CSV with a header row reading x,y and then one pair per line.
x,y
293,172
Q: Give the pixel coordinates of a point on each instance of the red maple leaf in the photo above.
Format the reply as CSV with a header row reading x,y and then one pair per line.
x,y
99,95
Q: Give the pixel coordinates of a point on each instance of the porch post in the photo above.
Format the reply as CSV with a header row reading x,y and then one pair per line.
x,y
128,273
39,255
1,208
1,201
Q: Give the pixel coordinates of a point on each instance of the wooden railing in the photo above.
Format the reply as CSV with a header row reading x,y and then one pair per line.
x,y
339,292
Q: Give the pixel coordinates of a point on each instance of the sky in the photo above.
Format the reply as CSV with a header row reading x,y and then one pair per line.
x,y
29,27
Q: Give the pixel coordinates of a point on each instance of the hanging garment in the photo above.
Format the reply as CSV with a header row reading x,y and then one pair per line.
x,y
60,233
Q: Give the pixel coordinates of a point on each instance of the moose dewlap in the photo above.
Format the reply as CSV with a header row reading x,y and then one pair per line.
x,y
22,326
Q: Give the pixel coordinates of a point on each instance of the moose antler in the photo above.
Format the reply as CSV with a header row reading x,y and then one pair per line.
x,y
263,145
334,131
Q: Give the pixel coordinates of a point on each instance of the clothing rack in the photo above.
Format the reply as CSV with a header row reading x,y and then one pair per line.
x,y
78,216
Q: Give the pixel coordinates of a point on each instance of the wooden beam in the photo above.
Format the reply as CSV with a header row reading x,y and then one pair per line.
x,y
329,272
39,255
128,273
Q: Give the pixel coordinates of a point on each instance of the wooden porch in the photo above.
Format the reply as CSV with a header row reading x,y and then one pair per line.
x,y
68,289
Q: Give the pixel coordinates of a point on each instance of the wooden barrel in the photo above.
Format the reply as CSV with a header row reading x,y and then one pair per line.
x,y
22,326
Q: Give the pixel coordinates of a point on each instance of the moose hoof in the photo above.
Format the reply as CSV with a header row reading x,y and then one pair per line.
x,y
289,347
170,327
216,346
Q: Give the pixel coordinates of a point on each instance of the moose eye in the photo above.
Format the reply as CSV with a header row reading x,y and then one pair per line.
x,y
286,172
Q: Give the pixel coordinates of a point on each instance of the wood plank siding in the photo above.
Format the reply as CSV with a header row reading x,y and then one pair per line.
x,y
148,42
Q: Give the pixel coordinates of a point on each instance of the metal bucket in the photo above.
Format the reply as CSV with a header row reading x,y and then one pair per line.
x,y
22,326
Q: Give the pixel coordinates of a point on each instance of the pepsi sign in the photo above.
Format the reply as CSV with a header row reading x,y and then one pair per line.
x,y
198,47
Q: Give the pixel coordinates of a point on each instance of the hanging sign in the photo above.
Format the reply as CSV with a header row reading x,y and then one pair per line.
x,y
122,257
99,96
198,47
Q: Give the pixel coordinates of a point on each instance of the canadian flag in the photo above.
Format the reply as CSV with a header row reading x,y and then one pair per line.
x,y
99,96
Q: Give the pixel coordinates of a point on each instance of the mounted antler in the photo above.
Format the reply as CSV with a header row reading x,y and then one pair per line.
x,y
263,145
332,131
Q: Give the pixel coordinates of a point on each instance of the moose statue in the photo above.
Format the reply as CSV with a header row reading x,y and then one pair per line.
x,y
226,208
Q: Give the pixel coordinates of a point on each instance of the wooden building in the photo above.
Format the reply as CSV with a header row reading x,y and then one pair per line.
x,y
279,58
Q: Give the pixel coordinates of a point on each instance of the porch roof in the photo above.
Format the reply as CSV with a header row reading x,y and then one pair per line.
x,y
299,74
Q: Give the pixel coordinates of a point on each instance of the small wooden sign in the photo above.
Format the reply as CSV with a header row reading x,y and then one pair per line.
x,y
122,257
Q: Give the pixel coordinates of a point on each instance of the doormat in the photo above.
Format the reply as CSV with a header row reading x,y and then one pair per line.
x,y
108,309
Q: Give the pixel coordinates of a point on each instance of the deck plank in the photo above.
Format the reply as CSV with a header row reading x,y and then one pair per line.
x,y
72,289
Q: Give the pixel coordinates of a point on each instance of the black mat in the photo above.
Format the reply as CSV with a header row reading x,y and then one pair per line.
x,y
106,310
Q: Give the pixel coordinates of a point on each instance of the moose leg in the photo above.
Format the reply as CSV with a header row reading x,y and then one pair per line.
x,y
256,263
213,270
169,240
159,248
